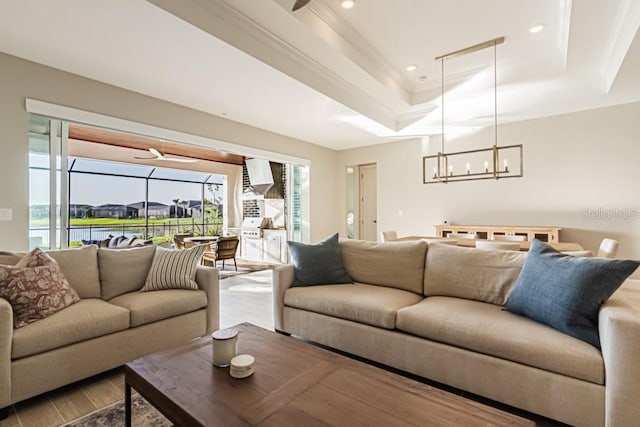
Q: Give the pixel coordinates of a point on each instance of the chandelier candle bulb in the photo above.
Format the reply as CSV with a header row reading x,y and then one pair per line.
x,y
486,167
506,165
468,168
450,170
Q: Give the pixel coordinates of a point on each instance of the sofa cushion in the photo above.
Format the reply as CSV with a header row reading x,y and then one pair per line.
x,y
88,318
80,267
393,264
318,264
124,270
489,329
35,287
148,307
174,269
10,258
481,275
373,305
565,292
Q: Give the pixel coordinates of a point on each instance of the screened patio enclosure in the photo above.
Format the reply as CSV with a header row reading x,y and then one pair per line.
x,y
111,199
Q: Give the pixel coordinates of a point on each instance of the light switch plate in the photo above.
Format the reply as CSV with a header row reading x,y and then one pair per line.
x,y
6,214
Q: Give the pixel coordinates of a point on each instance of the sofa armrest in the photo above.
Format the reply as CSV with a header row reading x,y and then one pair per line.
x,y
6,337
619,327
283,277
207,279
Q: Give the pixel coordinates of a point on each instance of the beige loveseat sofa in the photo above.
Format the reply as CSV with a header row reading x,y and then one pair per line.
x,y
112,324
437,311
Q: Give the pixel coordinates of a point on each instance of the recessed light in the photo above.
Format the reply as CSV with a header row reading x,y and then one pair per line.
x,y
347,4
536,28
411,67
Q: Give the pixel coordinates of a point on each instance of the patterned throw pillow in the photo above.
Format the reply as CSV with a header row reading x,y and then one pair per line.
x,y
174,269
35,287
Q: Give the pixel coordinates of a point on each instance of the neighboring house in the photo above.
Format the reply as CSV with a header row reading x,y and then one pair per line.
x,y
156,209
113,211
178,212
194,208
79,211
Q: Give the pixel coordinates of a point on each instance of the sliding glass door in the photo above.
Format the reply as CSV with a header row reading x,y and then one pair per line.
x,y
48,207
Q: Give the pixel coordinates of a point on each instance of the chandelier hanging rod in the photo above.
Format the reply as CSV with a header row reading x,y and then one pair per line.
x,y
470,49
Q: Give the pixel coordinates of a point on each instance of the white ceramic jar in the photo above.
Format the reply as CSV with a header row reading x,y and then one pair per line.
x,y
225,346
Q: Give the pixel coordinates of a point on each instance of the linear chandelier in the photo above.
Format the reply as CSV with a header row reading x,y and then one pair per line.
x,y
484,163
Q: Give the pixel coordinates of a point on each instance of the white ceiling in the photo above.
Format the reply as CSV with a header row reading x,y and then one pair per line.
x,y
337,77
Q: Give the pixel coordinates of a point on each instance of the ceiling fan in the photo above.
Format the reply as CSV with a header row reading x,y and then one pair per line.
x,y
299,4
160,156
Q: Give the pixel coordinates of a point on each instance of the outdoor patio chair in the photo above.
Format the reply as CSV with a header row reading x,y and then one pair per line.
x,y
221,250
178,239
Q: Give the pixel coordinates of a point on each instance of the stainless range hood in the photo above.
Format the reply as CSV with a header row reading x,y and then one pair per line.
x,y
260,179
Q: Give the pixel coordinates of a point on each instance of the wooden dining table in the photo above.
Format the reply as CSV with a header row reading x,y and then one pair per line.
x,y
471,243
200,240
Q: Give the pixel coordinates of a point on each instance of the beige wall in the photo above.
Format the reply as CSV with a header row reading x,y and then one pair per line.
x,y
22,79
586,160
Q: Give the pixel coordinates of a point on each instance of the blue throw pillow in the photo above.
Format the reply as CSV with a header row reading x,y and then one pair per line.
x,y
566,292
319,264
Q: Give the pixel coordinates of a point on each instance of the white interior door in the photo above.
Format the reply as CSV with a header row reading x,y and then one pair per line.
x,y
368,202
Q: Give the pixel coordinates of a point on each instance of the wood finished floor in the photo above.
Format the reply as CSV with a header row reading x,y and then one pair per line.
x,y
244,298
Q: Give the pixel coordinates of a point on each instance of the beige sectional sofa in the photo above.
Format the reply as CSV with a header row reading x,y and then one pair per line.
x,y
437,311
112,324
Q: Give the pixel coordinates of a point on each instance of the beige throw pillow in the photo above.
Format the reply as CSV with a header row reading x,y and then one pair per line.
x,y
35,287
172,269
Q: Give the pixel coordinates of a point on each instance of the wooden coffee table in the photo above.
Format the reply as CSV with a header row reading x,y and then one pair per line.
x,y
295,383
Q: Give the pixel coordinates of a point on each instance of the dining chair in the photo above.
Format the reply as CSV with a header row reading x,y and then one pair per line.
x,y
388,236
470,236
222,249
492,244
608,248
506,238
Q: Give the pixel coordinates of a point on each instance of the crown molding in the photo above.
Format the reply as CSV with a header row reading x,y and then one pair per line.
x,y
624,29
221,20
339,34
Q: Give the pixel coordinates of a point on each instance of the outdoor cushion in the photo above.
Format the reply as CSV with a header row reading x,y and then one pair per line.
x,y
88,318
489,329
481,275
395,264
148,307
124,270
318,264
370,304
35,287
174,269
80,267
565,292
